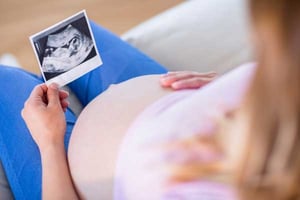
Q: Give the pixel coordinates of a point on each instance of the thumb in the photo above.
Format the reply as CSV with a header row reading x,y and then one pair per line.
x,y
53,95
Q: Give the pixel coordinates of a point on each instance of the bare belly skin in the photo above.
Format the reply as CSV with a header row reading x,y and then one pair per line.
x,y
99,131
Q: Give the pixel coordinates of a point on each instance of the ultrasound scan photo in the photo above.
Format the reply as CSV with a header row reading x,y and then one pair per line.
x,y
66,50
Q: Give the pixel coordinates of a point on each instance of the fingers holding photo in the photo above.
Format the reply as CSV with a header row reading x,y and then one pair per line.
x,y
43,114
40,94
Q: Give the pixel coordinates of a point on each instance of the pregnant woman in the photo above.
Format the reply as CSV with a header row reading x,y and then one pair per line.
x,y
118,106
239,132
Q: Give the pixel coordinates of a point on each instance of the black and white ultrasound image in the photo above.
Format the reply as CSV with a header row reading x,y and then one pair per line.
x,y
65,48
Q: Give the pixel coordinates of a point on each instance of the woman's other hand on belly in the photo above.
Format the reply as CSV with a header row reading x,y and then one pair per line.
x,y
186,79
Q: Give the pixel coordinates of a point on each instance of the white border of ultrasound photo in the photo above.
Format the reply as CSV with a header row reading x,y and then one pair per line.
x,y
77,71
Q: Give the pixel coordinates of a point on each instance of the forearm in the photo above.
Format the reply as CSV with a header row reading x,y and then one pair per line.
x,y
56,178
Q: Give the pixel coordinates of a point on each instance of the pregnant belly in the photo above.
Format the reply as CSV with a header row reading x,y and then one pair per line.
x,y
99,131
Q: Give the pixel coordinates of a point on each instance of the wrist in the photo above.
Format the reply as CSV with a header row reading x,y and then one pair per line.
x,y
52,148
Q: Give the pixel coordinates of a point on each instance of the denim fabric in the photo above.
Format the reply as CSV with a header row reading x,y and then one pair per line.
x,y
18,152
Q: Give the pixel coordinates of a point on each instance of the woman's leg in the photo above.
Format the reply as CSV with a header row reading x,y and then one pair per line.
x,y
120,62
18,152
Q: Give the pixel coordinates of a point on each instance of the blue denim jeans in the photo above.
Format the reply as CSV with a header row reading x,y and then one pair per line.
x,y
18,152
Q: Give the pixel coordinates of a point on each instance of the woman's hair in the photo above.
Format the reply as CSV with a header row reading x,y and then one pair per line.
x,y
271,162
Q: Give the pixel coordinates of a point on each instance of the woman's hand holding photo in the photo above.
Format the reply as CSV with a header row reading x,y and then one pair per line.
x,y
44,114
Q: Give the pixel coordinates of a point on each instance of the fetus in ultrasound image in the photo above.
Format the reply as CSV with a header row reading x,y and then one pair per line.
x,y
65,50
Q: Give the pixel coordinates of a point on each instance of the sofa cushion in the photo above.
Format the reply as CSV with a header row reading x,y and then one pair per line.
x,y
196,35
5,192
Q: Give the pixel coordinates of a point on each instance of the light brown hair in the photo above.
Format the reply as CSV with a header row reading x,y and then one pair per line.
x,y
271,164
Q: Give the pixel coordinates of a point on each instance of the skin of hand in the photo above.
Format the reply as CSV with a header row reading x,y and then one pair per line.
x,y
43,113
186,79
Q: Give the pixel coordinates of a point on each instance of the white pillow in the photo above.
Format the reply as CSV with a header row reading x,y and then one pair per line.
x,y
196,35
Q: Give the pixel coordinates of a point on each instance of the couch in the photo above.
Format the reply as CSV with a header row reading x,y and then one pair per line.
x,y
195,35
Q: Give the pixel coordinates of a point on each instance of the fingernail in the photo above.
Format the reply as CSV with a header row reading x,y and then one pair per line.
x,y
54,86
176,85
165,75
164,80
66,92
167,79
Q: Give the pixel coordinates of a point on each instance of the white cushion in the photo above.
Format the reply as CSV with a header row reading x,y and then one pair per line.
x,y
196,35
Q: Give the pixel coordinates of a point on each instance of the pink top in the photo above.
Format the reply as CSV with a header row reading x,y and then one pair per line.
x,y
141,172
